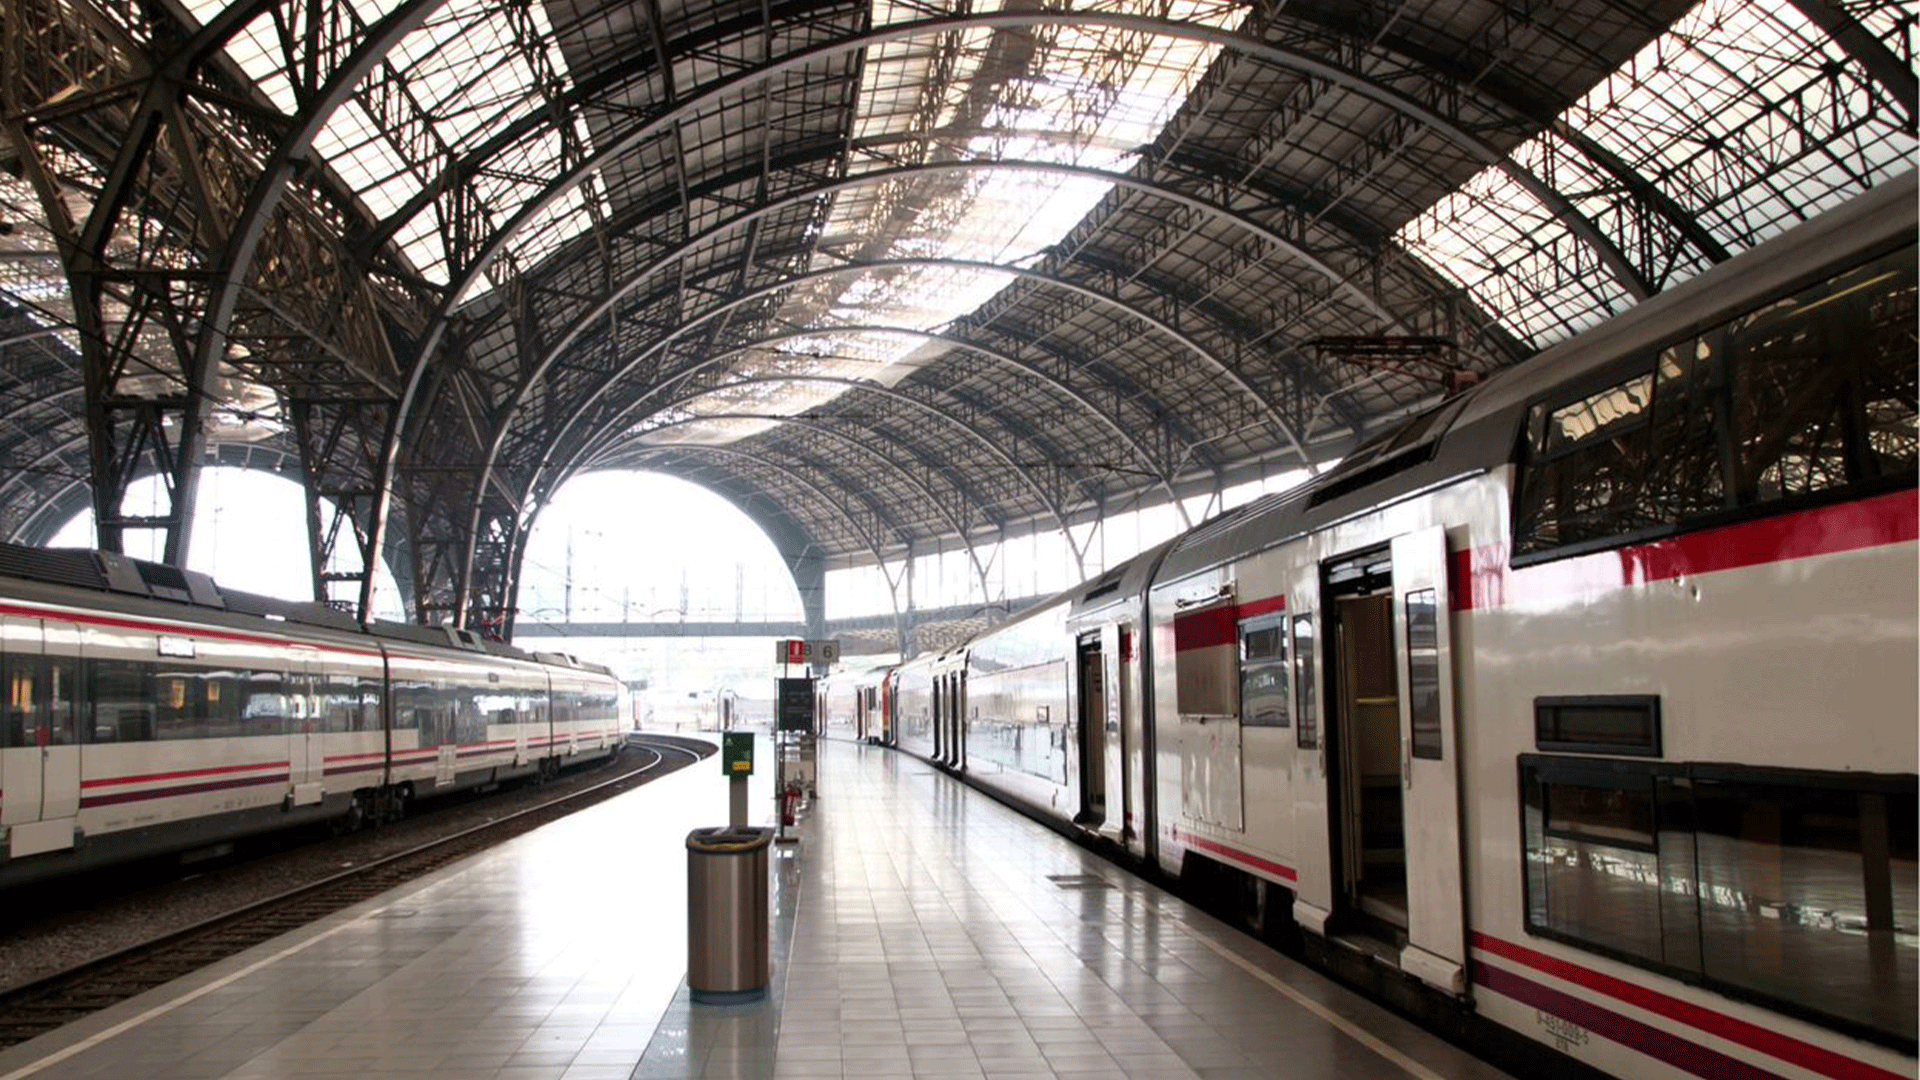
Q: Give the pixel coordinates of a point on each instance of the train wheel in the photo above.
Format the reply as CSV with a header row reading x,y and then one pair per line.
x,y
355,818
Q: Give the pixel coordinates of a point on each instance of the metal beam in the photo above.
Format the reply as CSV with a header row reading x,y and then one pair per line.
x,y
891,394
1167,330
1889,70
673,112
564,343
1140,451
926,493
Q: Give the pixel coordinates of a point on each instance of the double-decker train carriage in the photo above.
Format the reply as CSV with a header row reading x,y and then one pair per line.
x,y
849,704
148,711
1583,704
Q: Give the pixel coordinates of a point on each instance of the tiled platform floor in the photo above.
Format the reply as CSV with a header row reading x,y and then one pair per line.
x,y
917,935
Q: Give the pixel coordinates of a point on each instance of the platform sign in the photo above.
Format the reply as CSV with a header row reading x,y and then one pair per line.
x,y
796,651
736,753
795,705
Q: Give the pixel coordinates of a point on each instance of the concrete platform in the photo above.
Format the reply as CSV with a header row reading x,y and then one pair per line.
x,y
921,930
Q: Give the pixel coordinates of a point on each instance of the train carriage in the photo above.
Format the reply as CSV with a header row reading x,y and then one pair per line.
x,y
1583,702
147,711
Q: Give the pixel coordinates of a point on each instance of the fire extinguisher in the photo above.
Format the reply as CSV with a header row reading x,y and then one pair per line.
x,y
789,801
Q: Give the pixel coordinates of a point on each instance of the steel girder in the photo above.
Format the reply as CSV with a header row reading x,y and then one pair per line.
x,y
962,423
186,263
557,446
1316,67
1338,280
917,485
144,435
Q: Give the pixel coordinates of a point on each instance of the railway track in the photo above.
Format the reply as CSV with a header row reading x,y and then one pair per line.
x,y
44,1004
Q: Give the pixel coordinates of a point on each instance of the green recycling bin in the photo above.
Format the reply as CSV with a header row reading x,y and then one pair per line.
x,y
729,958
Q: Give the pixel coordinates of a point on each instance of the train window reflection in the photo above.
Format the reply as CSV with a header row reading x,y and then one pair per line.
x,y
1263,671
1799,889
1809,394
1307,730
1423,674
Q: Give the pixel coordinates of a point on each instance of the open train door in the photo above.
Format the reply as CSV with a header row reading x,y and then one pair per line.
x,y
1113,755
1313,899
1091,726
1430,766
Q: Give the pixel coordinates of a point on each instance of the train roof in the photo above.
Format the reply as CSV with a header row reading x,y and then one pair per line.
x,y
137,583
1479,429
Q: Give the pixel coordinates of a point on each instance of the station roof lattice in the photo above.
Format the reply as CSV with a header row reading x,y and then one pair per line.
x,y
888,274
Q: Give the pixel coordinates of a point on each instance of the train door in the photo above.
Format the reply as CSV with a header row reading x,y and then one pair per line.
x,y
1363,747
1092,724
1430,774
1314,893
1114,643
939,713
960,720
890,709
1393,786
42,737
306,750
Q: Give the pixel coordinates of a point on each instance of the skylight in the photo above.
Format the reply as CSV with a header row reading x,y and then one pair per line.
x,y
1085,98
1746,115
471,70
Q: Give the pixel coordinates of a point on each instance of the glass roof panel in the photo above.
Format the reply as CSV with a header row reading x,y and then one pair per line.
x,y
1746,115
1496,240
1749,116
1087,97
257,47
471,69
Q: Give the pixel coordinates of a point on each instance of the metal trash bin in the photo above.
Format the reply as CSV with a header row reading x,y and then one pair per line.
x,y
728,955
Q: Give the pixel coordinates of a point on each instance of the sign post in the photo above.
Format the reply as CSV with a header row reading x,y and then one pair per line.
x,y
790,651
792,722
736,761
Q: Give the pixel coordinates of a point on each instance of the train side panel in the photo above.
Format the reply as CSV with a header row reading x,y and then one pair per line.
x,y
1022,730
1779,700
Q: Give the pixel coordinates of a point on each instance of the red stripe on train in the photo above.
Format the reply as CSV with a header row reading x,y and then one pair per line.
x,y
1647,1039
1753,1036
1480,578
1286,873
1219,625
193,630
111,781
180,789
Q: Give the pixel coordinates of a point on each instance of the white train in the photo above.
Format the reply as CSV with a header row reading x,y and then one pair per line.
x,y
147,712
1580,710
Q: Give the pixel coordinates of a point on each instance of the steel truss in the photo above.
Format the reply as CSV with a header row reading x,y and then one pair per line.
x,y
224,274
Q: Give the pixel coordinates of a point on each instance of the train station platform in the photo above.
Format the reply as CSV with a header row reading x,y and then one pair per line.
x,y
922,930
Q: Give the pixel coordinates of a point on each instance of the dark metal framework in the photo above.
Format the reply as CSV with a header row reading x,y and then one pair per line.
x,y
437,258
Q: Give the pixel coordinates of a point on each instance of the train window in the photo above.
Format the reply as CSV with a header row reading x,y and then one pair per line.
x,y
1797,889
122,696
1423,674
62,721
1599,724
1686,440
266,703
1824,384
176,706
1808,896
1592,867
1808,395
24,718
1590,460
1264,694
1307,730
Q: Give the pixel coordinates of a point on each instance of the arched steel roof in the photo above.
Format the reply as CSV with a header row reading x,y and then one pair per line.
x,y
893,275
